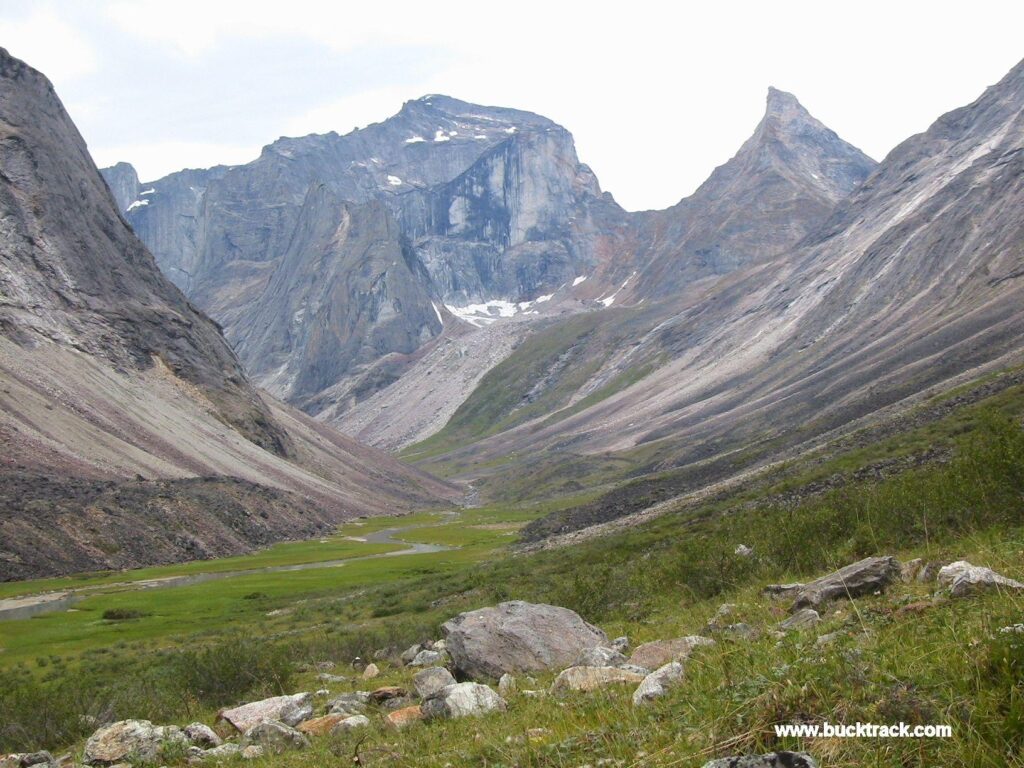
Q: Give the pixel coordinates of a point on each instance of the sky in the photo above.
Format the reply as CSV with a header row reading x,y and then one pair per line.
x,y
656,94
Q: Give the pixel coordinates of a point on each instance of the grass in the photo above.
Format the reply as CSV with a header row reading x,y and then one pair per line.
x,y
898,655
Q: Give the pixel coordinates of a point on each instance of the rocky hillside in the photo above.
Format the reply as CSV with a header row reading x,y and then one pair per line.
x,y
109,374
913,280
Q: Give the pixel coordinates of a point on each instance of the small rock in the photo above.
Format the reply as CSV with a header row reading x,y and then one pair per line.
x,y
349,703
439,646
403,718
827,639
660,652
964,579
387,692
930,572
324,666
507,686
429,681
910,569
782,591
599,656
591,678
202,735
399,702
136,738
351,724
290,710
326,678
656,683
805,617
770,760
740,631
621,644
251,752
275,737
742,550
410,653
872,574
462,700
371,671
1013,629
428,658
222,752
319,726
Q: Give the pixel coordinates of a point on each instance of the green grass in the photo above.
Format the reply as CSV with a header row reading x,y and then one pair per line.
x,y
942,662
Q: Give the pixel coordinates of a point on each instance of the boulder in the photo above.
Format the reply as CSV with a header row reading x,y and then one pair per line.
x,y
462,700
621,644
371,671
349,703
139,739
429,681
770,760
599,656
290,710
592,678
351,724
657,683
274,737
403,718
202,735
964,579
517,637
660,652
251,752
872,574
42,759
911,569
805,617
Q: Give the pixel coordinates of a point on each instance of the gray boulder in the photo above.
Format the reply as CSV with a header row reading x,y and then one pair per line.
x,y
462,700
428,658
964,579
274,737
769,760
223,752
507,686
782,591
517,637
621,644
428,682
410,653
352,723
864,577
290,710
592,678
138,739
657,683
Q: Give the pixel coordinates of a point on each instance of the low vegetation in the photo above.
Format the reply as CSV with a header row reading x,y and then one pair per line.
x,y
896,656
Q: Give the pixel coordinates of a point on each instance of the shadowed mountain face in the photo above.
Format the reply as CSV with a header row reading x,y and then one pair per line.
x,y
120,399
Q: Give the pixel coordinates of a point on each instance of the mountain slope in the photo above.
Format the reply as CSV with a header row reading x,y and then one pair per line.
x,y
108,373
915,279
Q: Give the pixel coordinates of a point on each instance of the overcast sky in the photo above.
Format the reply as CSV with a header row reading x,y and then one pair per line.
x,y
655,96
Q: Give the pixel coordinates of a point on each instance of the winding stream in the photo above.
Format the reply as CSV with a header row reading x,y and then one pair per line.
x,y
48,602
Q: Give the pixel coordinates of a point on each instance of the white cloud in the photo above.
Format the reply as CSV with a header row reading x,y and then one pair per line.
x,y
656,95
50,44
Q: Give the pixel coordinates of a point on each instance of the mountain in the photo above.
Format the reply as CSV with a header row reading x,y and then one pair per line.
x,y
914,281
482,203
124,409
784,181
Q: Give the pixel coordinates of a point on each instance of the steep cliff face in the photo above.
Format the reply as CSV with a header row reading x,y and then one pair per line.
x,y
114,389
784,181
124,184
347,291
